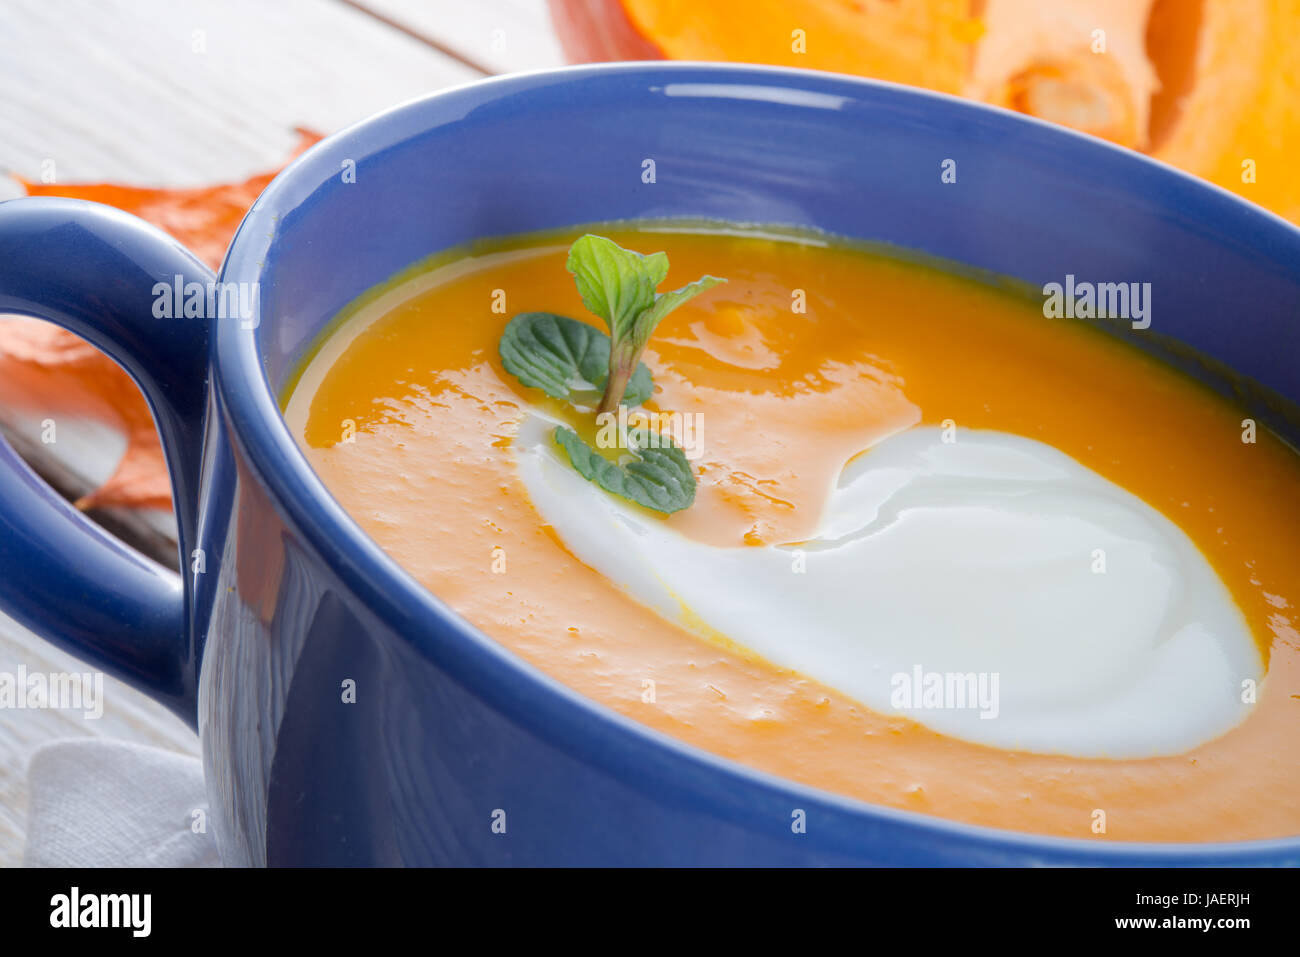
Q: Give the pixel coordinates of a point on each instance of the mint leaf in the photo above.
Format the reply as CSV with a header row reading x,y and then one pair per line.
x,y
616,284
665,303
554,353
658,478
619,285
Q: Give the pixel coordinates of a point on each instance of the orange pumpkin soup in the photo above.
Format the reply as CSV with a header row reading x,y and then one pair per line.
x,y
812,352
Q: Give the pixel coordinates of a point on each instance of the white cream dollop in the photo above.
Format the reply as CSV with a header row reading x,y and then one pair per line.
x,y
991,588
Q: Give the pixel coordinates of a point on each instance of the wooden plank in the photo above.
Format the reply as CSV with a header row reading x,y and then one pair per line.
x,y
496,36
156,92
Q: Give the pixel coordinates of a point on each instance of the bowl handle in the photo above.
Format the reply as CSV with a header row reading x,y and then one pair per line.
x,y
99,272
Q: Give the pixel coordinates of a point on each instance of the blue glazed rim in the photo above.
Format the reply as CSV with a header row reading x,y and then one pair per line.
x,y
662,767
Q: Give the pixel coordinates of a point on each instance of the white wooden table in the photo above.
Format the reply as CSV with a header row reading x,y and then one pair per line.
x,y
190,92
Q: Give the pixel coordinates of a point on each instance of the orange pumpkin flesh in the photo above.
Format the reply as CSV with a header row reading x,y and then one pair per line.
x,y
1209,86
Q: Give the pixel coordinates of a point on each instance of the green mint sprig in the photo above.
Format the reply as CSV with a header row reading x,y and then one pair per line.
x,y
557,355
619,285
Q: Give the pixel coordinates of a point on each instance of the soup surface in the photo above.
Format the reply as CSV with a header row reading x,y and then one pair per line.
x,y
812,353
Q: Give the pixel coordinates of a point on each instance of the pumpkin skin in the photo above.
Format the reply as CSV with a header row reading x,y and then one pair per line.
x,y
1209,86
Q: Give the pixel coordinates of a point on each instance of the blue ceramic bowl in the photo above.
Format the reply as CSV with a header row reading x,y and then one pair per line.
x,y
285,598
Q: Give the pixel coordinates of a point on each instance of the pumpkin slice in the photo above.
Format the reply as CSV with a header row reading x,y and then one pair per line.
x,y
1082,65
921,42
1233,113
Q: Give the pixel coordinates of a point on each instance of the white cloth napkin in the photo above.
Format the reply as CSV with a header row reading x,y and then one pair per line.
x,y
97,803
